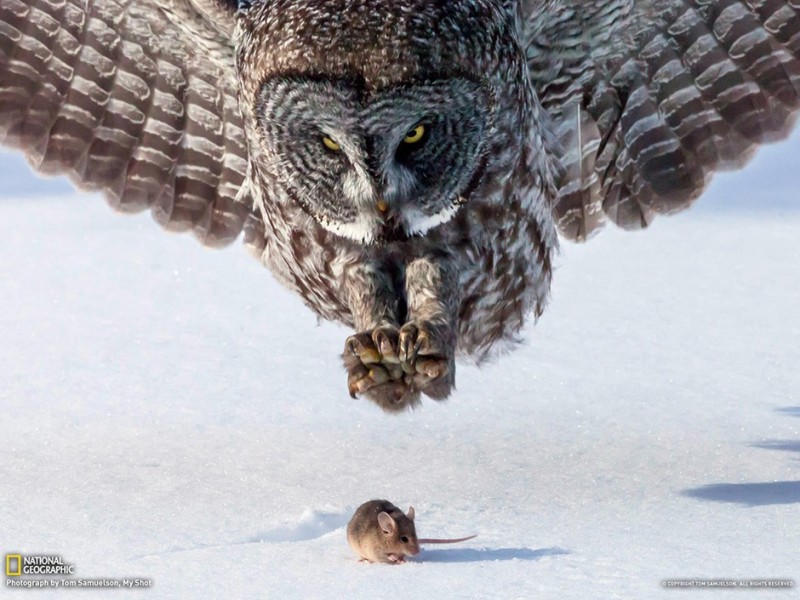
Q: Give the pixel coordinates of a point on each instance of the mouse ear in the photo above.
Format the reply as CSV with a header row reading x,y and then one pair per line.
x,y
388,526
411,512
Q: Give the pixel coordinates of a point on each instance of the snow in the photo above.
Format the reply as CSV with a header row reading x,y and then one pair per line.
x,y
170,412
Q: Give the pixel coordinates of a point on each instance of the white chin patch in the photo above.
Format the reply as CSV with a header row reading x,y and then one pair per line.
x,y
361,230
365,229
417,223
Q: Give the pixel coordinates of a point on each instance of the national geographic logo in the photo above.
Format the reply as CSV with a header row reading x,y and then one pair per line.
x,y
50,571
18,565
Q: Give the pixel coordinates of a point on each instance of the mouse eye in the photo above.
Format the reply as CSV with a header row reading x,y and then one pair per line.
x,y
404,539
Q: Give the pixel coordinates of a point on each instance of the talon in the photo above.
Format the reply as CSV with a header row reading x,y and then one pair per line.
x,y
366,353
386,341
357,375
431,368
362,379
408,349
377,375
423,343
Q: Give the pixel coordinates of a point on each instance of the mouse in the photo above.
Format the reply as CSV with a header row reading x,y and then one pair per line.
x,y
379,532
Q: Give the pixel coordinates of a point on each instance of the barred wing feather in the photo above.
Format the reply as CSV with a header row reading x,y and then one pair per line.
x,y
136,99
652,97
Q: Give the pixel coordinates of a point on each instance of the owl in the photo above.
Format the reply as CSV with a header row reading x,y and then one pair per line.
x,y
405,166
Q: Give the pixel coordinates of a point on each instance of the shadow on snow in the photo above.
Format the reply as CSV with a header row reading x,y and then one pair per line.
x,y
465,555
749,494
785,445
792,411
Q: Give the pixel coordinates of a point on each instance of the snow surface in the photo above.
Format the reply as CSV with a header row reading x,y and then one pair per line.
x,y
170,412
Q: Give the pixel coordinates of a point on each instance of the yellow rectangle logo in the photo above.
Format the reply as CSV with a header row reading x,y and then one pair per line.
x,y
13,565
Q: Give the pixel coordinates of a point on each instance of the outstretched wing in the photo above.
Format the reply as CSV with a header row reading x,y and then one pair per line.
x,y
651,97
134,98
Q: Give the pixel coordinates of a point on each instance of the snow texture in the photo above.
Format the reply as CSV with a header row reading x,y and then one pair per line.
x,y
170,412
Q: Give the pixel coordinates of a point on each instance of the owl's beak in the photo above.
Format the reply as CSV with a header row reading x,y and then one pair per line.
x,y
383,207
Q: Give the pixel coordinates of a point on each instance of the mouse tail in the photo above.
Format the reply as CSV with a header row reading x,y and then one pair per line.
x,y
437,541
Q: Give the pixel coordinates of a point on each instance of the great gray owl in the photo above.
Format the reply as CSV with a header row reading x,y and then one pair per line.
x,y
405,166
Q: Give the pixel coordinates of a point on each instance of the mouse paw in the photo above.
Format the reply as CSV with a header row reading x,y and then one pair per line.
x,y
397,559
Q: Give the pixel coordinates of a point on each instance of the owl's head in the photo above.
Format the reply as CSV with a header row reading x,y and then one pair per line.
x,y
371,115
377,166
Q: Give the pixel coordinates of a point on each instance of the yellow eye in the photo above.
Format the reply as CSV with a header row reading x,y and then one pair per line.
x,y
330,144
415,135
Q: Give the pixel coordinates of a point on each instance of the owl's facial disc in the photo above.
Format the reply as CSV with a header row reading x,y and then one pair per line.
x,y
374,166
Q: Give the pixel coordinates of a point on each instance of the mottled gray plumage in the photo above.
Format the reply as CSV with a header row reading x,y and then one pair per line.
x,y
403,166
